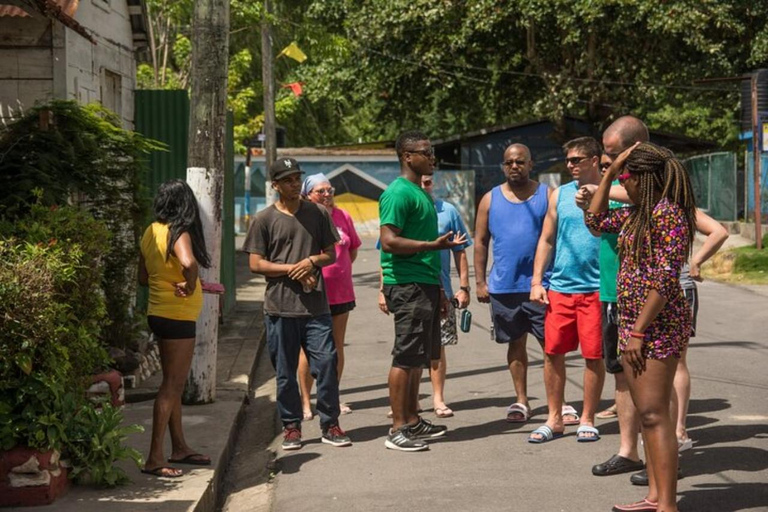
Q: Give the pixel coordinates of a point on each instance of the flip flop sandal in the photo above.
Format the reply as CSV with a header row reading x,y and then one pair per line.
x,y
586,429
443,412
518,413
158,472
607,414
193,459
570,411
546,433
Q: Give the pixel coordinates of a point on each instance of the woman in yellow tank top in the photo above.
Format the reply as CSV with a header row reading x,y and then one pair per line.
x,y
171,249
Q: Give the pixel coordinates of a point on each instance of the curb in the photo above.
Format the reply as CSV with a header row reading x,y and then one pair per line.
x,y
210,500
213,499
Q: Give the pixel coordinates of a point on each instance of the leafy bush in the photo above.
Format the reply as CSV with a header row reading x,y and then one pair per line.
x,y
81,155
51,311
96,439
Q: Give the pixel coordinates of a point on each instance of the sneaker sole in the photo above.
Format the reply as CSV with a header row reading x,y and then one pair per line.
x,y
290,447
335,443
393,446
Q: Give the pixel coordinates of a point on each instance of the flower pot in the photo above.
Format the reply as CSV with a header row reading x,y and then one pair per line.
x,y
108,384
30,478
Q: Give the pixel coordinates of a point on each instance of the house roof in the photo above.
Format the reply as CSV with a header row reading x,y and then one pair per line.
x,y
59,10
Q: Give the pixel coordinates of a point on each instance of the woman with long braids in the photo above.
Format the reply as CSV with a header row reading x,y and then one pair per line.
x,y
171,249
656,237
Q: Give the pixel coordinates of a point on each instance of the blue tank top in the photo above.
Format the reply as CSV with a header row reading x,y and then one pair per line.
x,y
515,230
577,251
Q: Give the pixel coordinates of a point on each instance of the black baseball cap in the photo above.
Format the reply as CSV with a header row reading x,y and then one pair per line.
x,y
283,167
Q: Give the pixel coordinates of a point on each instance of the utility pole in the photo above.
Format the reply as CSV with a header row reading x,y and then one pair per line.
x,y
268,78
756,154
206,162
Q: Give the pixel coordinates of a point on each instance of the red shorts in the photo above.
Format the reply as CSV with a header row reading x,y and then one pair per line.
x,y
573,319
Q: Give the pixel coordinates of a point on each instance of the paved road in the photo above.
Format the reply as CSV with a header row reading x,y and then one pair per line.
x,y
485,464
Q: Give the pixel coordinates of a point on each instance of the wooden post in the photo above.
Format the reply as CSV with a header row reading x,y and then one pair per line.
x,y
268,78
205,174
756,154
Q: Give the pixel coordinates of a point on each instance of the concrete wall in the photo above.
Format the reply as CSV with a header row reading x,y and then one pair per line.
x,y
92,68
41,60
26,64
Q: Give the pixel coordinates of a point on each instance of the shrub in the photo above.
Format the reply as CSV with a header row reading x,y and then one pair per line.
x,y
83,156
51,311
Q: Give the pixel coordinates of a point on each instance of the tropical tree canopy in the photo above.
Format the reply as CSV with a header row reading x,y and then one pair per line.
x,y
449,66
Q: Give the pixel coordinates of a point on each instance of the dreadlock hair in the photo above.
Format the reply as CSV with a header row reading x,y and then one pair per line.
x,y
176,206
657,171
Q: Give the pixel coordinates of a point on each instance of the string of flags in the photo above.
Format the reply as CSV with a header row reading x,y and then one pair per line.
x,y
295,88
293,51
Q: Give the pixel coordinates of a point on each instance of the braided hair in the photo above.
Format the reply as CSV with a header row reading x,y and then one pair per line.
x,y
660,176
175,205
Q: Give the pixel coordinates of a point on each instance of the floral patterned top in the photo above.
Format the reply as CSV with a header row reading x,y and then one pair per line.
x,y
660,270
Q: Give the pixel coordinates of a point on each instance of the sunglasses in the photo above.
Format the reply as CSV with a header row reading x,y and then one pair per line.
x,y
324,191
575,160
428,153
510,163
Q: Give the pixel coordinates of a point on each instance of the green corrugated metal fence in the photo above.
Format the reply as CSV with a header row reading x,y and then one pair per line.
x,y
164,116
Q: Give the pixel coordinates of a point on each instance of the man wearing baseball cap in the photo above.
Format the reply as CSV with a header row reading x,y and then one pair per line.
x,y
288,243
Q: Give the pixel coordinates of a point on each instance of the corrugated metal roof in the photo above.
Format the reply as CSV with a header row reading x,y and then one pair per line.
x,y
68,7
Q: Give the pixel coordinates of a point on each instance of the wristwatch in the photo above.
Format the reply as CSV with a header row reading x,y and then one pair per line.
x,y
465,288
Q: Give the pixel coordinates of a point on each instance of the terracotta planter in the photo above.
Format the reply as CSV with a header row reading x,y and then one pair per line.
x,y
108,384
30,478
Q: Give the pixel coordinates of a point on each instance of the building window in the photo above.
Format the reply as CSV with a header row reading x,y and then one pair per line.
x,y
112,91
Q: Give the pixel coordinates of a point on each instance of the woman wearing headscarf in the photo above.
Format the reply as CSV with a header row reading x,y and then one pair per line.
x,y
338,280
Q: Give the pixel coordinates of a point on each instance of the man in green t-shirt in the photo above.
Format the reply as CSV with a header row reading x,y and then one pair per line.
x,y
410,264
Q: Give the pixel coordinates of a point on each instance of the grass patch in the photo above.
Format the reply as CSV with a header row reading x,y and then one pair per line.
x,y
741,265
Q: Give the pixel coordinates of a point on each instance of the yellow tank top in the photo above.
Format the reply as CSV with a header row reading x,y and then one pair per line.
x,y
163,275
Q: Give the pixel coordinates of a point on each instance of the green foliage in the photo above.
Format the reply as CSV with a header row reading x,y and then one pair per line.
x,y
50,310
61,264
749,260
48,339
83,157
96,440
450,66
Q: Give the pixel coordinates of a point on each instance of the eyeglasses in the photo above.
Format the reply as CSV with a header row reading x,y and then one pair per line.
x,y
324,191
605,165
575,160
428,153
510,163
623,177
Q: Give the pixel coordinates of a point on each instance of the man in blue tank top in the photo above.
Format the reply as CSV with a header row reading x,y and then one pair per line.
x,y
573,303
512,214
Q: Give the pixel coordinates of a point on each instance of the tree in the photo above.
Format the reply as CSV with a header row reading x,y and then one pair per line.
x,y
205,174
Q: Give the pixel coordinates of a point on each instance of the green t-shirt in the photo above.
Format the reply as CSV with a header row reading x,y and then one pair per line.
x,y
609,259
407,207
